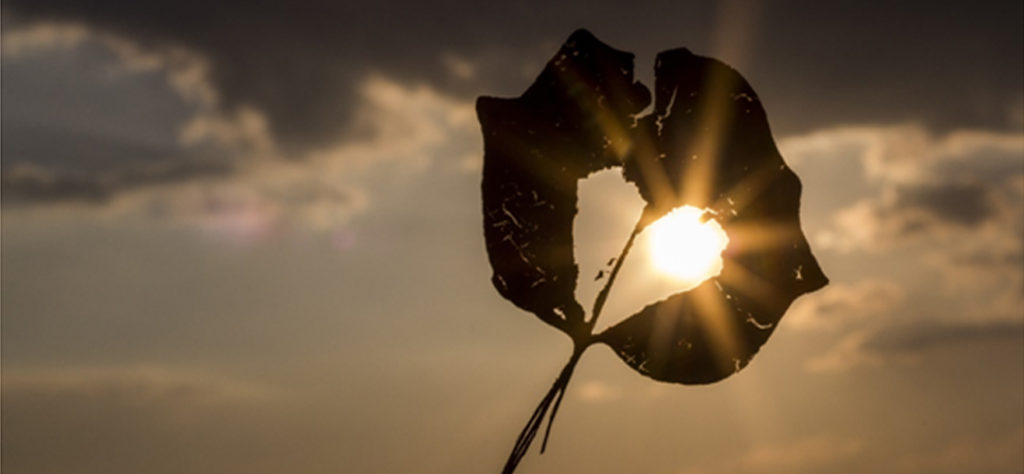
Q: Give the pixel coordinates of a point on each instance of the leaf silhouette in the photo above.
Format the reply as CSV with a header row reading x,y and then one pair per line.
x,y
707,144
572,121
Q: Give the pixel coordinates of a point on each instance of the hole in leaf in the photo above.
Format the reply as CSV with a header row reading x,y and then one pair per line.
x,y
608,209
674,254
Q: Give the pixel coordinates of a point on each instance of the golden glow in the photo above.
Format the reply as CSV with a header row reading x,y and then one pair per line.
x,y
684,248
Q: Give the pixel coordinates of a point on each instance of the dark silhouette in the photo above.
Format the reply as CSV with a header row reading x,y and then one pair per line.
x,y
707,144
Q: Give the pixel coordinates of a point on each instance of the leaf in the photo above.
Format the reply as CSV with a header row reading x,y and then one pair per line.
x,y
707,144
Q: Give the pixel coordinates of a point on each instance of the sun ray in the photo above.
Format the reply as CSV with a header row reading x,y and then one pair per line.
x,y
750,285
746,191
714,313
758,236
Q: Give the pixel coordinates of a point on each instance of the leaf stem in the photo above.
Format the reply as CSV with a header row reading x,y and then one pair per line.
x,y
581,340
533,425
603,295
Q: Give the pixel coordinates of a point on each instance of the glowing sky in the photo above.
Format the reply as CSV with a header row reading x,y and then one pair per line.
x,y
244,238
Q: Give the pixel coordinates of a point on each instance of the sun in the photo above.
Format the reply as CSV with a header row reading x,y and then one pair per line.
x,y
685,248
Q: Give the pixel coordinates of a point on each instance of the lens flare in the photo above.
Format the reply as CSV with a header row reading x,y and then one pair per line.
x,y
684,247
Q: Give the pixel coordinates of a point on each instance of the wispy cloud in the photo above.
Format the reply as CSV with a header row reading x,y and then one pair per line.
x,y
811,454
159,387
966,183
1002,452
910,342
844,305
597,391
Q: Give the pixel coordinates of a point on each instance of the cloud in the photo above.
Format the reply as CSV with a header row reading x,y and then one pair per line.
x,y
846,353
169,391
188,74
999,453
458,67
805,455
911,340
963,204
25,183
878,324
938,222
947,208
820,453
134,419
43,35
845,305
94,113
399,129
297,65
908,343
596,391
296,91
227,173
288,83
966,184
405,129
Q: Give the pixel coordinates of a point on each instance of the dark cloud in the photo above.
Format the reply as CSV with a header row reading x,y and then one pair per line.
x,y
924,210
816,63
927,336
910,341
962,188
920,208
991,258
80,125
53,147
965,204
27,184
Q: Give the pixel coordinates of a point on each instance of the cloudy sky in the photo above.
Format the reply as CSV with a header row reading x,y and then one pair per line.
x,y
246,237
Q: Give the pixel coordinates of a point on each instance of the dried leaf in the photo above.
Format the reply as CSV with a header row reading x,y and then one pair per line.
x,y
707,144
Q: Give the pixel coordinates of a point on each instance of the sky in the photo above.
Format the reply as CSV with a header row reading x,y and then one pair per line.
x,y
247,237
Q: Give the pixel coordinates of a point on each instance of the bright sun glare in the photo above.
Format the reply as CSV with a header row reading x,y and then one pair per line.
x,y
684,248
